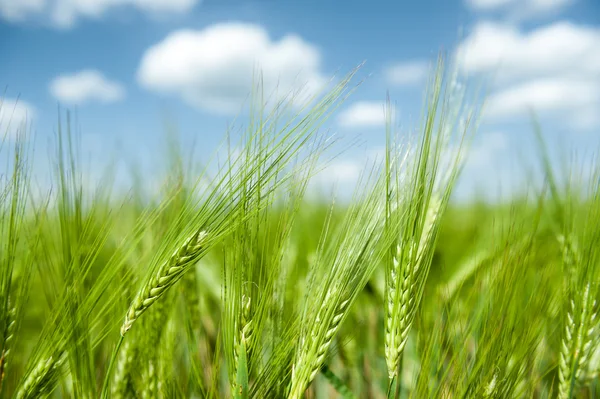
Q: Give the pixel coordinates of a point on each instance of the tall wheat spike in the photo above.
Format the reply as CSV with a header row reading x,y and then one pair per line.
x,y
152,387
314,349
122,377
39,383
407,277
576,347
166,276
8,338
245,333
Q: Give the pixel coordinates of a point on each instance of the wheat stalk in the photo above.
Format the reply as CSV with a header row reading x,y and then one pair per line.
x,y
167,275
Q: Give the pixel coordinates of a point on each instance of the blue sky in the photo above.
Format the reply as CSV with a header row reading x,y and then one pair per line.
x,y
127,65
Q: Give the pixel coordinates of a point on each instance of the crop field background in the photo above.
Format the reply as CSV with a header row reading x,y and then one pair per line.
x,y
236,284
255,199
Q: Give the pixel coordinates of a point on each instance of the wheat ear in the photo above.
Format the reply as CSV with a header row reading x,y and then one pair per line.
x,y
39,381
154,326
491,389
122,376
246,329
151,388
399,313
576,345
313,351
8,337
167,275
407,275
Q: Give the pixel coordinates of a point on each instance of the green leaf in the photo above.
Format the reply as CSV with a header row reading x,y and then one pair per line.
x,y
337,383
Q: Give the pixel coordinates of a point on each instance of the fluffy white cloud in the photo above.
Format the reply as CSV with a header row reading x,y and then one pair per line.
x,y
65,13
15,117
554,69
364,114
217,67
17,10
407,73
342,171
561,47
86,86
545,95
340,175
520,8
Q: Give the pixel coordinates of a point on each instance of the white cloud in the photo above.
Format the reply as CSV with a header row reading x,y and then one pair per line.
x,y
17,10
342,171
339,175
15,117
364,114
553,69
65,13
561,47
520,8
407,73
215,68
86,86
544,95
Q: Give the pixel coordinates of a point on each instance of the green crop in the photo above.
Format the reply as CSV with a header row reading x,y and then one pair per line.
x,y
231,282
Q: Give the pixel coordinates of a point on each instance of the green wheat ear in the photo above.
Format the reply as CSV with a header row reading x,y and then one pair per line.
x,y
167,275
577,343
6,347
419,182
407,277
41,379
122,373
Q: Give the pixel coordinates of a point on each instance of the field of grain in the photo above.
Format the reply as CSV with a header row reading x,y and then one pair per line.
x,y
232,282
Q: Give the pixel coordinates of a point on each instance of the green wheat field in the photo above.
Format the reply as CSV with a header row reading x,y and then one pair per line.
x,y
232,282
